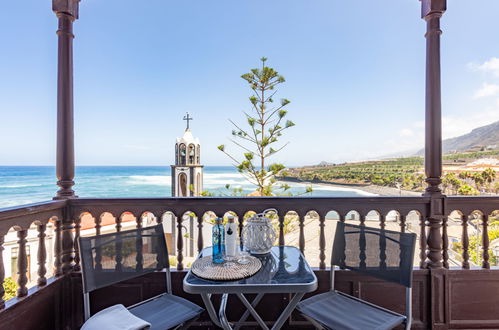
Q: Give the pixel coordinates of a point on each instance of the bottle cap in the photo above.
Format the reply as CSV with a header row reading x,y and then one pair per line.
x,y
230,219
219,220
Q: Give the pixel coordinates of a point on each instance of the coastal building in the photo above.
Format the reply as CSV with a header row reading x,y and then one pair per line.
x,y
187,173
187,181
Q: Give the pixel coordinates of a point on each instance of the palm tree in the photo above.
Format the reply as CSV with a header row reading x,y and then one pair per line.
x,y
479,181
488,176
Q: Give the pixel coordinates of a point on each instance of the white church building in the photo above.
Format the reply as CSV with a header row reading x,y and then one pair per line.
x,y
187,173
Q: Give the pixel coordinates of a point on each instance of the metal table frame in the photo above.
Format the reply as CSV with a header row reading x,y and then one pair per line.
x,y
207,288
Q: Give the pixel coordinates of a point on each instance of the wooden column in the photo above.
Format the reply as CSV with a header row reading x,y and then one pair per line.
x,y
67,12
431,12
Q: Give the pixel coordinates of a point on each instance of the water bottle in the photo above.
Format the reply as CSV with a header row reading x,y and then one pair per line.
x,y
218,241
230,237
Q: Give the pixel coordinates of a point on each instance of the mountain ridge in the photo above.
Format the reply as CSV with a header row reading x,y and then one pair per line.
x,y
483,136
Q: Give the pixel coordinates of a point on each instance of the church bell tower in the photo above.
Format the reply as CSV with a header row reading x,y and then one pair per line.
x,y
187,173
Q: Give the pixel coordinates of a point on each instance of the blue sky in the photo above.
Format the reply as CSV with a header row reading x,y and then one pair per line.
x,y
354,71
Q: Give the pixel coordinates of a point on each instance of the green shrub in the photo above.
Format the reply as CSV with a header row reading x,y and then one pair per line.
x,y
10,287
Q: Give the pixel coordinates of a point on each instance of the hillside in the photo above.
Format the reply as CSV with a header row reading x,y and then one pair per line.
x,y
479,137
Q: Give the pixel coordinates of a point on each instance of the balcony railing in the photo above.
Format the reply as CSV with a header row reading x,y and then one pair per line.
x,y
82,216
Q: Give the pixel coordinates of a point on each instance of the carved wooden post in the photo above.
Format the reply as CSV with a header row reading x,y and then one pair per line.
x,y
403,220
322,242
382,221
445,244
67,13
76,247
57,247
22,264
42,255
67,241
431,12
98,251
2,273
301,239
466,242
200,234
180,243
422,243
280,220
485,241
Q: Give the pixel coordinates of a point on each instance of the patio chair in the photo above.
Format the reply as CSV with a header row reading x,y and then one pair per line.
x,y
383,254
111,258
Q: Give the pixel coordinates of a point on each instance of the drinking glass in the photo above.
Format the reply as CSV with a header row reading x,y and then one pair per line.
x,y
243,255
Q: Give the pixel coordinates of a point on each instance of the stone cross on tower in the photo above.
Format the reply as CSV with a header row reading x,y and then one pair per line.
x,y
187,118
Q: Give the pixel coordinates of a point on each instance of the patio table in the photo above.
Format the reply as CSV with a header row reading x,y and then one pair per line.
x,y
284,270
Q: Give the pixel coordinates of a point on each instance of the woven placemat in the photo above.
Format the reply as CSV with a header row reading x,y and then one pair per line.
x,y
227,271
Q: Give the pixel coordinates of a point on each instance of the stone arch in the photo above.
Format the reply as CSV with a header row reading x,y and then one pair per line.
x,y
183,188
191,154
198,154
182,154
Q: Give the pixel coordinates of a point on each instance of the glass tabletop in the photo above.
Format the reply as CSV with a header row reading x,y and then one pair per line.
x,y
283,270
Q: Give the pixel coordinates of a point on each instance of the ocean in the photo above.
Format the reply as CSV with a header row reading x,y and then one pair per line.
x,y
29,184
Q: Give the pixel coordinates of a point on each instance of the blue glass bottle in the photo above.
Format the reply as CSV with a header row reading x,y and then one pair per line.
x,y
218,241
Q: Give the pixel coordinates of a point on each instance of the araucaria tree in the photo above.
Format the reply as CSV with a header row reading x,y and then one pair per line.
x,y
266,123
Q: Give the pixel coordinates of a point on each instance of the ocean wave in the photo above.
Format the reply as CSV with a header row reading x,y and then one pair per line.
x,y
154,180
20,185
222,175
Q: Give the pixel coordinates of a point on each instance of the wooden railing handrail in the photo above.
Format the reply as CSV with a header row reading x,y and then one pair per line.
x,y
28,209
66,217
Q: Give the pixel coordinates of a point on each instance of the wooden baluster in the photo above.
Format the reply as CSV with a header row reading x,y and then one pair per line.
x,y
180,244
118,224
402,223
41,255
241,226
2,273
67,242
362,219
422,242
76,245
280,220
119,247
466,242
22,264
322,242
382,244
57,248
138,222
445,243
200,234
191,236
98,250
485,241
362,249
139,258
301,239
159,219
382,221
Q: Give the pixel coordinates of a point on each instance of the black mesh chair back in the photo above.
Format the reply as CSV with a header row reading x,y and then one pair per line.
x,y
384,254
111,258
